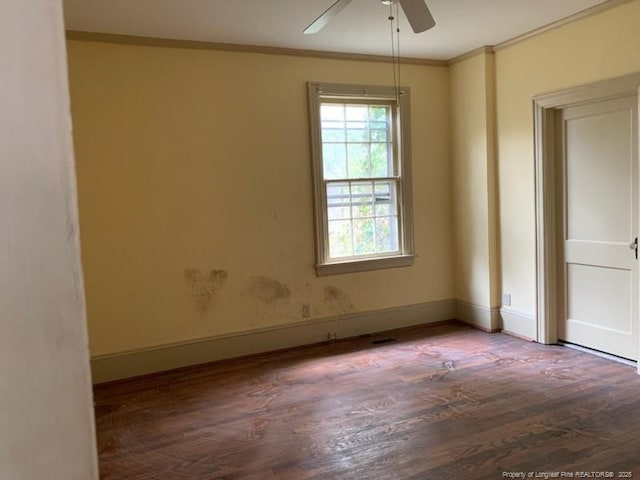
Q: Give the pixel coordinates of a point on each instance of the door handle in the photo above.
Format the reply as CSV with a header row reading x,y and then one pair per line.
x,y
634,246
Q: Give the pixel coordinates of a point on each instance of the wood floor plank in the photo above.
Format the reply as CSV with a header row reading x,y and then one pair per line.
x,y
439,402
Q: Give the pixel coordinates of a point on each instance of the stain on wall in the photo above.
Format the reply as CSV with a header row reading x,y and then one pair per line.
x,y
204,284
338,301
267,289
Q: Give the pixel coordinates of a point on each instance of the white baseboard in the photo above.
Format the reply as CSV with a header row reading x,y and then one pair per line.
x,y
518,324
484,318
117,366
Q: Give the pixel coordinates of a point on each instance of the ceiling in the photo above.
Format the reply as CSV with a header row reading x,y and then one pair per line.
x,y
362,27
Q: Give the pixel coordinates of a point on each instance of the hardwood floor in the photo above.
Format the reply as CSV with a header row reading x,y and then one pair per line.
x,y
440,402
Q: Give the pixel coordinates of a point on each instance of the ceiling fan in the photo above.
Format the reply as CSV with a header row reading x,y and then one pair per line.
x,y
417,13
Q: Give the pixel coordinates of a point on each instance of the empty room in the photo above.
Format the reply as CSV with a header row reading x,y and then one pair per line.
x,y
319,239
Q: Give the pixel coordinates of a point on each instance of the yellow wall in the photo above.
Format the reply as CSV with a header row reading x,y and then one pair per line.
x,y
195,193
195,181
595,48
473,162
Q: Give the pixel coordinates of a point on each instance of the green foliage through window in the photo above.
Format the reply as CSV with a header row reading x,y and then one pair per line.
x,y
360,177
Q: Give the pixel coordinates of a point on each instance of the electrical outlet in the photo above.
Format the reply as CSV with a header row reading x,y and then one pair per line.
x,y
506,299
306,310
332,336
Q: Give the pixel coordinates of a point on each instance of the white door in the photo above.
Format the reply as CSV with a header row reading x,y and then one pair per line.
x,y
600,224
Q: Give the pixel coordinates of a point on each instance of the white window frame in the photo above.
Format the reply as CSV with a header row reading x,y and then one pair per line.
x,y
402,157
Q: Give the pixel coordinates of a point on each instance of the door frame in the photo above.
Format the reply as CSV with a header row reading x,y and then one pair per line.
x,y
547,203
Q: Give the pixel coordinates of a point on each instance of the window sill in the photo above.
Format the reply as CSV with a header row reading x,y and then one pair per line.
x,y
353,266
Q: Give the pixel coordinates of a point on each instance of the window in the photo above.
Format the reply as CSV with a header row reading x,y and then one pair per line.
x,y
361,164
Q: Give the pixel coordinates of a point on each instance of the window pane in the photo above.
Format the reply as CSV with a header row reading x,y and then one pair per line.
x,y
380,160
340,241
333,132
330,111
362,210
379,125
357,113
387,234
379,132
357,132
338,201
385,199
359,166
363,236
378,113
362,200
339,213
334,161
377,135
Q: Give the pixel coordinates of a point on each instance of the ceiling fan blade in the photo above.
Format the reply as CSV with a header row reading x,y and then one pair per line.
x,y
319,23
418,15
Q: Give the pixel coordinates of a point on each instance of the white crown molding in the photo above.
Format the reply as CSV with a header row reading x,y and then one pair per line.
x,y
603,7
485,50
230,47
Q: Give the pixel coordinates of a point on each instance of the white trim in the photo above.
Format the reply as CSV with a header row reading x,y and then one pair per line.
x,y
545,204
484,318
401,125
167,357
82,36
518,324
605,89
598,353
545,108
365,265
484,50
596,9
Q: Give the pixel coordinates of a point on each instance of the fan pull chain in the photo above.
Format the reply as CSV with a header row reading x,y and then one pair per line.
x,y
398,51
395,48
395,63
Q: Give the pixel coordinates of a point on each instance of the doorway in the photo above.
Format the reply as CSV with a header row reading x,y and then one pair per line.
x,y
587,216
